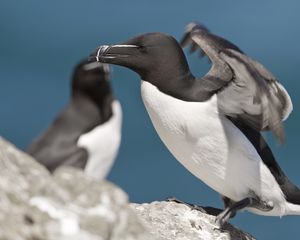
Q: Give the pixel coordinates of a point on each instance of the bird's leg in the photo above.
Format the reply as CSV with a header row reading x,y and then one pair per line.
x,y
231,211
246,202
227,203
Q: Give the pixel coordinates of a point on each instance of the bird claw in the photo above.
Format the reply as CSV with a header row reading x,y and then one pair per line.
x,y
222,218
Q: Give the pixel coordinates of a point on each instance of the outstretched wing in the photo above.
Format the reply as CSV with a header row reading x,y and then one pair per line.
x,y
220,74
252,94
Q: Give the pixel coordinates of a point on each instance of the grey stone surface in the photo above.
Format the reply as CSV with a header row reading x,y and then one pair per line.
x,y
173,221
35,205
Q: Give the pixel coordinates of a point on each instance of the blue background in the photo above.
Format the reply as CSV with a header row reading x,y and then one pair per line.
x,y
42,41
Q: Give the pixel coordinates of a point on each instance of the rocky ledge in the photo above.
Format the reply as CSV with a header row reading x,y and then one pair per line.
x,y
173,221
35,205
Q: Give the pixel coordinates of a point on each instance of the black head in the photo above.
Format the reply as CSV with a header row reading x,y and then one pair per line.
x,y
91,84
156,57
91,79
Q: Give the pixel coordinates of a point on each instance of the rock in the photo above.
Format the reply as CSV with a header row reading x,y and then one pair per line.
x,y
173,221
34,205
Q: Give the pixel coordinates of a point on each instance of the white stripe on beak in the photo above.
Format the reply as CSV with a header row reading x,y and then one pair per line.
x,y
101,50
124,45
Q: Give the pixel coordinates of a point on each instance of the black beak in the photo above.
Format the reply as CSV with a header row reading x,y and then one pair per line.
x,y
99,52
106,53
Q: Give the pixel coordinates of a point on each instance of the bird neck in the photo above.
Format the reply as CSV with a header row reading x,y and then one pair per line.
x,y
180,84
101,100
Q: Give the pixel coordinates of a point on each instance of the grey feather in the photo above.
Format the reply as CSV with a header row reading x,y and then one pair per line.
x,y
246,90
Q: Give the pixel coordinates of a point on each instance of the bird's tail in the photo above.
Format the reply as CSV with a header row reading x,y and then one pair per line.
x,y
292,209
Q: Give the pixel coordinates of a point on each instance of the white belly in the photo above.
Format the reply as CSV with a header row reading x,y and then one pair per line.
x,y
209,146
102,144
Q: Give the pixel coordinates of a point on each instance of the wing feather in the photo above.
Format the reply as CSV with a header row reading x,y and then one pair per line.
x,y
246,90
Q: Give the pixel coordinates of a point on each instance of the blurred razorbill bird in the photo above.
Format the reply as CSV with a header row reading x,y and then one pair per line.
x,y
87,133
212,125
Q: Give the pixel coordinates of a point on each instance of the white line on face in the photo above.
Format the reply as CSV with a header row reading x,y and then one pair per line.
x,y
97,57
107,70
124,45
91,66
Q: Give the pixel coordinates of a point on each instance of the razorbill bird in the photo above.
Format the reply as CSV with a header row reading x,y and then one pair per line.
x,y
87,133
212,125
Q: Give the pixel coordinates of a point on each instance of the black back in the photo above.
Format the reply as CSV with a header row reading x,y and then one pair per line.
x,y
89,106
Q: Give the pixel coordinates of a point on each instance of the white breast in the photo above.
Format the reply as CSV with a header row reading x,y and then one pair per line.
x,y
102,144
210,146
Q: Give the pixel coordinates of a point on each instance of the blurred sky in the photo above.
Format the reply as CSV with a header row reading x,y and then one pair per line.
x,y
41,41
